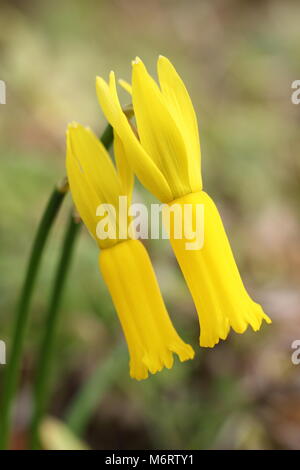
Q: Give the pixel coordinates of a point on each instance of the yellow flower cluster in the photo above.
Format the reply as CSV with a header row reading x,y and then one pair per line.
x,y
165,156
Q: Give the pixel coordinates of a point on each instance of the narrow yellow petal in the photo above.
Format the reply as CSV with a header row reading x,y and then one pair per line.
x,y
85,198
150,335
95,163
158,131
213,277
182,110
146,170
127,87
94,180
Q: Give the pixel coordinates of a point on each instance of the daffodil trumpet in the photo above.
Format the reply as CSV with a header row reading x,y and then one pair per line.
x,y
151,337
212,275
166,159
124,262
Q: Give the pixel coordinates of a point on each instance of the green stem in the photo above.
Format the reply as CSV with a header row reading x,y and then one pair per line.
x,y
12,370
43,373
14,363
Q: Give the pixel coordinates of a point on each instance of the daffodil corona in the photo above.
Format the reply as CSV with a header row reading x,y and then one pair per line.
x,y
166,159
124,263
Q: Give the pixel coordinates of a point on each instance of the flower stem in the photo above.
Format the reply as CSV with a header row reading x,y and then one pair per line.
x,y
43,373
12,370
14,363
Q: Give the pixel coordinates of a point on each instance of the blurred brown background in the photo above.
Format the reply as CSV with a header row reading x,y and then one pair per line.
x,y
238,59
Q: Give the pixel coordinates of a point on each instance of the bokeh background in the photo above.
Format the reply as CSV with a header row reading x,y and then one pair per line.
x,y
238,59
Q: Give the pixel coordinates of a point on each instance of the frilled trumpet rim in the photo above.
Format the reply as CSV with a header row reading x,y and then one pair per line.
x,y
150,335
212,276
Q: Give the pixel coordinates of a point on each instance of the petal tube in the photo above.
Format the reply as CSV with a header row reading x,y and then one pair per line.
x,y
150,335
212,275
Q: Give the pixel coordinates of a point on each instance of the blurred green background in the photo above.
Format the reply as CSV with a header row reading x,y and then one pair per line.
x,y
238,59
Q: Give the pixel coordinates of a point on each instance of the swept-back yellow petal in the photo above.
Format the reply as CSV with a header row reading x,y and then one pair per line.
x,y
144,167
94,180
95,163
182,110
85,199
158,131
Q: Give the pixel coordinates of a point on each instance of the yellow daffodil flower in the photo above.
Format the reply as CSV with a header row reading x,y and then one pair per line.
x,y
166,159
124,262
